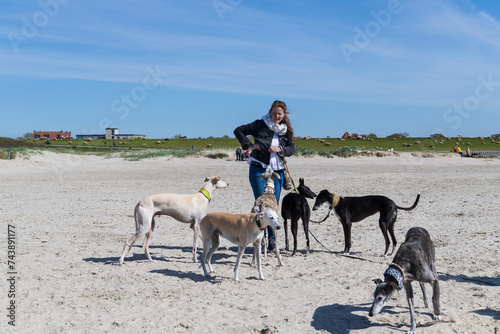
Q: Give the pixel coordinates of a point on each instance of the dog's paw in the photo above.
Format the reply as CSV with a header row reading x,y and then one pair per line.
x,y
438,317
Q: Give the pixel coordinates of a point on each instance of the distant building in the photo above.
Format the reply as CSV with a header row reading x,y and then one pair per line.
x,y
110,133
51,135
347,135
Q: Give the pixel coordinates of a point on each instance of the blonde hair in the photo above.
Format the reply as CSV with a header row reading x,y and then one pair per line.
x,y
285,120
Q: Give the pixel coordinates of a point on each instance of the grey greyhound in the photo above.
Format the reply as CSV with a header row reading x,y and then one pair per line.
x,y
414,261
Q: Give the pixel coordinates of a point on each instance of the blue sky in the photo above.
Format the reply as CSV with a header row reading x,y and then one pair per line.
x,y
201,68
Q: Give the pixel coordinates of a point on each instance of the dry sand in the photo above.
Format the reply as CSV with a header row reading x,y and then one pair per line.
x,y
72,213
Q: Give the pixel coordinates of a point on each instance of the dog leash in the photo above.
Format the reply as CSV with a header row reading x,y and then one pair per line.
x,y
327,215
283,161
344,255
319,242
335,201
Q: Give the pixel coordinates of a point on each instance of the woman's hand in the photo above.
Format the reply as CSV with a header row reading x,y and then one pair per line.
x,y
274,149
255,147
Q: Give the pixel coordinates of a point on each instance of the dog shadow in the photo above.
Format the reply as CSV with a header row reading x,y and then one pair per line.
x,y
104,260
141,256
195,277
340,319
479,280
489,313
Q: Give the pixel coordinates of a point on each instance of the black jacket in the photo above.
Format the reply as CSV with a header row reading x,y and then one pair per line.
x,y
262,136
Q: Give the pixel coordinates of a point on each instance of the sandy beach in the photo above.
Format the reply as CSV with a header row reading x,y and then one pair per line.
x,y
70,215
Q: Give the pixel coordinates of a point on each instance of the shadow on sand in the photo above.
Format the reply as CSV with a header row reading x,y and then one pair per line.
x,y
479,280
341,319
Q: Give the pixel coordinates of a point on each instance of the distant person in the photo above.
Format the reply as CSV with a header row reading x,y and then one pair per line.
x,y
273,136
459,151
467,152
114,144
104,143
238,154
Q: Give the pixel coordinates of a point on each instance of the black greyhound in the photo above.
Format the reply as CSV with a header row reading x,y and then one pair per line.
x,y
414,261
354,209
294,206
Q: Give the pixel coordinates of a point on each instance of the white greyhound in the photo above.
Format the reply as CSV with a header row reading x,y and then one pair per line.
x,y
240,229
185,208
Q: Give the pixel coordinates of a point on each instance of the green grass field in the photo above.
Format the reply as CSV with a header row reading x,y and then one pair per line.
x,y
314,146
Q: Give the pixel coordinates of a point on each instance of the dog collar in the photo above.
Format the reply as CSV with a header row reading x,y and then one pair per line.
x,y
396,274
269,185
335,201
257,220
206,193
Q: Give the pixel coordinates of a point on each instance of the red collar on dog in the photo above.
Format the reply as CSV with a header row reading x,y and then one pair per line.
x,y
257,220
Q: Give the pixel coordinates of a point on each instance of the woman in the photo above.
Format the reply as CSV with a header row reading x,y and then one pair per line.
x,y
273,136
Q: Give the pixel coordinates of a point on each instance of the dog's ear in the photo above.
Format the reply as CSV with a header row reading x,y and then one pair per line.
x,y
301,181
207,179
215,180
377,281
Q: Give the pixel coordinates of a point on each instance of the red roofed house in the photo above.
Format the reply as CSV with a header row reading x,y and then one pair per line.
x,y
347,135
51,135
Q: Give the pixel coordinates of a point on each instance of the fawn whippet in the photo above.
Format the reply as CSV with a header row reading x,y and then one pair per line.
x,y
240,229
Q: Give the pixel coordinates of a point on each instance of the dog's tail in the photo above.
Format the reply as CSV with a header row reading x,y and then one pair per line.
x,y
135,216
411,207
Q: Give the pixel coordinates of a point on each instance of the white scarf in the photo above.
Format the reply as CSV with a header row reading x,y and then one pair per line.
x,y
280,129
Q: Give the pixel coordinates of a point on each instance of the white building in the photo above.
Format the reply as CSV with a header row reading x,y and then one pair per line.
x,y
110,133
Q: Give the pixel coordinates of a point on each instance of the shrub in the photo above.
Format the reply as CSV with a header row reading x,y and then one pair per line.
x,y
217,156
345,151
325,154
306,152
